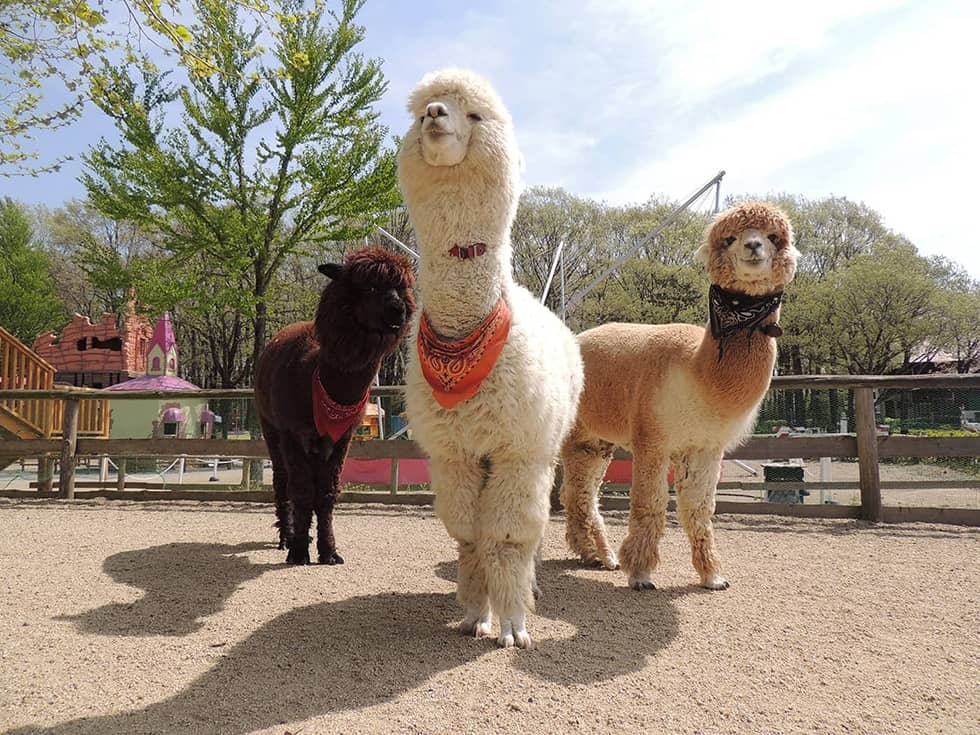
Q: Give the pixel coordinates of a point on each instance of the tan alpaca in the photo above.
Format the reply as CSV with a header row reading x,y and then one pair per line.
x,y
679,395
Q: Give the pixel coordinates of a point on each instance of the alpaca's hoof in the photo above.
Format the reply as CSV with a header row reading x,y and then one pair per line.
x,y
283,543
331,558
641,582
715,582
515,640
478,628
604,562
298,557
536,591
513,634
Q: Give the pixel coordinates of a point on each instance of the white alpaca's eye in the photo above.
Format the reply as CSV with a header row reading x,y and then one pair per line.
x,y
774,239
728,241
474,117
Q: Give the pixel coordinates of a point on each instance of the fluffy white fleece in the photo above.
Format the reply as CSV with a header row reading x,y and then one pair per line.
x,y
492,456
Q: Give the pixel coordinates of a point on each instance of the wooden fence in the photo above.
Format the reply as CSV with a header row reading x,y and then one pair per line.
x,y
865,444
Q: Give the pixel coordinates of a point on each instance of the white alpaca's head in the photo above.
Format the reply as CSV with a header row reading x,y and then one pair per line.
x,y
461,142
749,248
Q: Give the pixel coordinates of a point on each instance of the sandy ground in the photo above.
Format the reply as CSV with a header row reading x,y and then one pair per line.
x,y
121,618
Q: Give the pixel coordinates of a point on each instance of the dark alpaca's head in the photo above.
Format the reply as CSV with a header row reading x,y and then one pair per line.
x,y
365,310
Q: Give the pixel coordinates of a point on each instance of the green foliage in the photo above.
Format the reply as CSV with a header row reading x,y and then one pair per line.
x,y
71,41
29,304
256,172
660,284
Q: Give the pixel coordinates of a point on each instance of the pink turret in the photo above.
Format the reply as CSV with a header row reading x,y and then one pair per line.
x,y
161,351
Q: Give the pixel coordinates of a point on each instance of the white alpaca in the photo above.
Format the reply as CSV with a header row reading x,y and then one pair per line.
x,y
493,454
678,394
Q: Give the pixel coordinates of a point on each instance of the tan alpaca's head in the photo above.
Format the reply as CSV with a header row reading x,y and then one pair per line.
x,y
749,248
461,127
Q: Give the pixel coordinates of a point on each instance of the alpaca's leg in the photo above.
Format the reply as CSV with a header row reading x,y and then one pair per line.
x,y
514,509
639,553
327,490
585,464
280,478
457,484
471,590
300,491
696,478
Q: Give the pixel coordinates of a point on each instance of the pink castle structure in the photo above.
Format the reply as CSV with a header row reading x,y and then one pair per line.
x,y
97,355
160,416
160,362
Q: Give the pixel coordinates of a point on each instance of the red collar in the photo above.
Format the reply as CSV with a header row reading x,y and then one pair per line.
x,y
332,418
466,252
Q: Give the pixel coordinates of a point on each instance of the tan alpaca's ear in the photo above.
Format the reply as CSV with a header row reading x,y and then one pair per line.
x,y
701,254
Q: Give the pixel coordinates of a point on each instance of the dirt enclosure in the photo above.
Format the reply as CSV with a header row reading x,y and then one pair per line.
x,y
121,618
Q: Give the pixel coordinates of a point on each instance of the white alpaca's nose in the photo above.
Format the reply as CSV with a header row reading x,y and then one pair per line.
x,y
436,109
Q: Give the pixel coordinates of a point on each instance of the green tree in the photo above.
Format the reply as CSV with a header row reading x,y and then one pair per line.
x,y
68,42
547,218
959,328
870,315
254,173
95,260
29,304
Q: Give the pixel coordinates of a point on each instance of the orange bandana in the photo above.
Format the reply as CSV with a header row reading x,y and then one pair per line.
x,y
455,370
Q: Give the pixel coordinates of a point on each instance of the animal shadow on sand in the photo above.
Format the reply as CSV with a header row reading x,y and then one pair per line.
x,y
182,583
366,650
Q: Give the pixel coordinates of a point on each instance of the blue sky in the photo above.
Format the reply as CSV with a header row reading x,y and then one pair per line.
x,y
614,99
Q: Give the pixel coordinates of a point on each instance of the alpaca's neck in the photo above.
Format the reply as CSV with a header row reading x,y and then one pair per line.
x,y
458,294
740,378
346,386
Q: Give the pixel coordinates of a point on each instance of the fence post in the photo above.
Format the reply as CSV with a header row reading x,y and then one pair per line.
x,y
867,446
394,476
45,474
69,443
121,474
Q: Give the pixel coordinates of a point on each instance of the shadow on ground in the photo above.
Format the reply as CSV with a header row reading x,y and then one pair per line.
x,y
182,583
366,650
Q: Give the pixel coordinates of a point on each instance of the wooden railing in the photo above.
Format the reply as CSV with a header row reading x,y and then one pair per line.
x,y
865,444
21,369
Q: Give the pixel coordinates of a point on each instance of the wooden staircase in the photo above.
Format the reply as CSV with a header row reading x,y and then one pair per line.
x,y
35,418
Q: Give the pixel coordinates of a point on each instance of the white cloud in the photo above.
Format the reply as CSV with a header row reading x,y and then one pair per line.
x,y
895,114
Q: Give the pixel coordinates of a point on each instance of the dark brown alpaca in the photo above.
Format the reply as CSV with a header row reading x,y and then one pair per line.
x,y
363,315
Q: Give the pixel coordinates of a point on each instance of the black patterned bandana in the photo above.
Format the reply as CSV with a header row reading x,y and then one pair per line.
x,y
730,312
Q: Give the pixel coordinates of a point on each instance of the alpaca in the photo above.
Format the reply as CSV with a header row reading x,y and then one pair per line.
x,y
492,388
679,395
312,384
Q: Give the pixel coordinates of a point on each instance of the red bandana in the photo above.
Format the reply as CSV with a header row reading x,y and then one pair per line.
x,y
331,417
455,370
